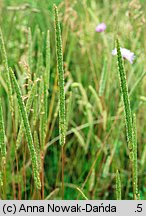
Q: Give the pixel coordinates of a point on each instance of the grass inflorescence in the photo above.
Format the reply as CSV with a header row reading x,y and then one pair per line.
x,y
62,125
27,130
6,68
118,186
124,90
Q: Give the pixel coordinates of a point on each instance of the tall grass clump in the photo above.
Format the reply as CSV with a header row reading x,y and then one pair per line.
x,y
27,130
62,127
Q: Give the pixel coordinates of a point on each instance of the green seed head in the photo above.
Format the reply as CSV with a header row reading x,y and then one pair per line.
x,y
118,186
27,130
124,90
60,78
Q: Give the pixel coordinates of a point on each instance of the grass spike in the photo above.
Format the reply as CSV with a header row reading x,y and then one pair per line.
x,y
118,186
135,169
28,107
35,106
28,134
124,90
62,125
43,115
39,67
2,136
69,109
48,59
5,62
30,51
3,153
60,78
37,145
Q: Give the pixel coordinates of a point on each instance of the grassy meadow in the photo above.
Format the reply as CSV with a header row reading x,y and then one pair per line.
x,y
72,115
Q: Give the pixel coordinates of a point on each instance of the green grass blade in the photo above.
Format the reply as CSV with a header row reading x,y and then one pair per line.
x,y
97,99
137,82
103,78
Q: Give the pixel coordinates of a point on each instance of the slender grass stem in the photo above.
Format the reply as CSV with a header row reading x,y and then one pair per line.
x,y
62,155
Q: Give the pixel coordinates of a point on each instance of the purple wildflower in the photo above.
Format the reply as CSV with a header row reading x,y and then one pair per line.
x,y
127,54
101,27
